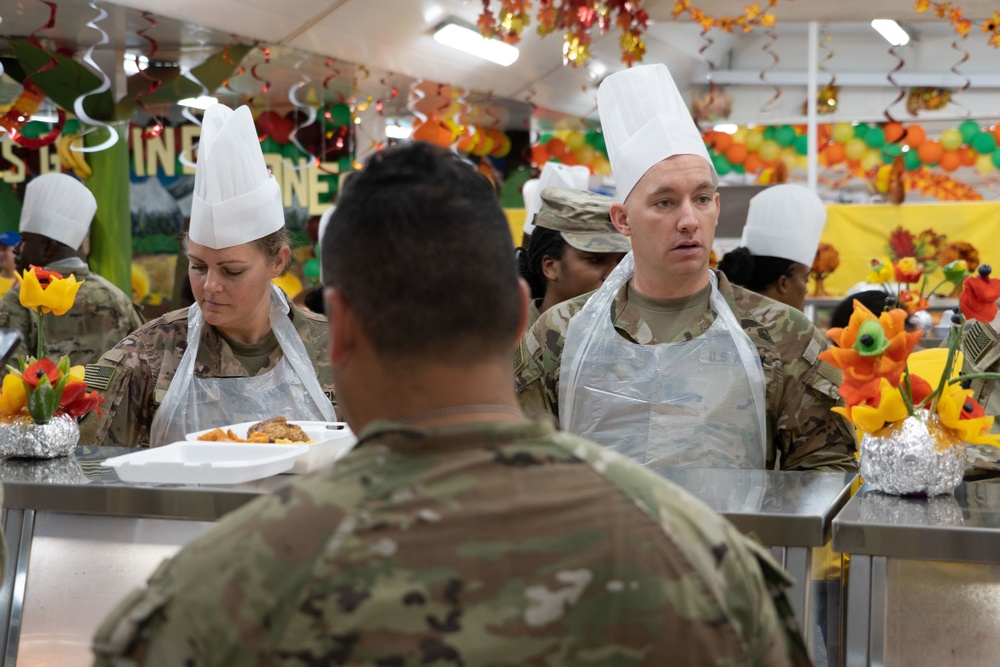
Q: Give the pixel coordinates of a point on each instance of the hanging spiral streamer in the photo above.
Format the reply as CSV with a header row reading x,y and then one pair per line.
x,y
772,37
3,130
823,44
105,85
255,75
154,84
954,70
310,118
892,79
33,39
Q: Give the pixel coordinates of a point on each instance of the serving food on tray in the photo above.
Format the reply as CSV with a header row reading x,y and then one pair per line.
x,y
327,441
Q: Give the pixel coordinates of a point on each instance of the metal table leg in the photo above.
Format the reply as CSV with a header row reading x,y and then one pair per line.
x,y
18,530
858,611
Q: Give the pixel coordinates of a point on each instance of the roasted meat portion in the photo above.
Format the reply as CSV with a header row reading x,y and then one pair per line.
x,y
277,429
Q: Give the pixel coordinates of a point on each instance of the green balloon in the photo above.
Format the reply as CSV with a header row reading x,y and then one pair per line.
x,y
291,152
34,129
72,126
596,141
785,136
861,130
335,116
911,160
968,130
739,169
310,270
996,158
875,137
544,139
983,143
889,152
722,165
802,144
769,133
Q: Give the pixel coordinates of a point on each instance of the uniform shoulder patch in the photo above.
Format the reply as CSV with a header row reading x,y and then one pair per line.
x,y
98,377
176,315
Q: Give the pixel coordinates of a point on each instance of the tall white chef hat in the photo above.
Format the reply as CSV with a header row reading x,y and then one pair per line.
x,y
59,207
553,174
785,221
236,200
645,121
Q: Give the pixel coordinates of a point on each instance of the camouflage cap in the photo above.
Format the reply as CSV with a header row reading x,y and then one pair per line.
x,y
582,218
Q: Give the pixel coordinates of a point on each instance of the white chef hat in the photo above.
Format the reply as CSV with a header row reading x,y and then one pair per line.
x,y
785,221
59,207
236,200
645,121
556,175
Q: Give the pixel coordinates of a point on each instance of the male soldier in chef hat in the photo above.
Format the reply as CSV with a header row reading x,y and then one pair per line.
x,y
635,365
55,220
780,238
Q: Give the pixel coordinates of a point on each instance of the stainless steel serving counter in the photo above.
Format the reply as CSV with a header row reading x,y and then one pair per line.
x,y
79,539
924,584
792,513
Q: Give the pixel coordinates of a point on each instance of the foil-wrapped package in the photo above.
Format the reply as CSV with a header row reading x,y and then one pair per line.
x,y
23,438
61,470
917,455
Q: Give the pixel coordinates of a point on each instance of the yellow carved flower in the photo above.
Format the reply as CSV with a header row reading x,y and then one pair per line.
x,y
955,407
13,398
56,296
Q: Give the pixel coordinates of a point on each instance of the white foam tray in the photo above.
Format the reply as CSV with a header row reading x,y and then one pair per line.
x,y
331,440
205,463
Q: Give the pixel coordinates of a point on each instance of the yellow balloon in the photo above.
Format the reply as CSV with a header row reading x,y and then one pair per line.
x,y
601,166
802,162
855,149
754,139
843,132
574,140
585,154
740,135
951,139
769,151
984,164
789,156
871,160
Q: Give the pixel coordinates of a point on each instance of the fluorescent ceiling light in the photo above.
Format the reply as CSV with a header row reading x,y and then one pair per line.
x,y
728,128
398,132
202,102
468,40
892,31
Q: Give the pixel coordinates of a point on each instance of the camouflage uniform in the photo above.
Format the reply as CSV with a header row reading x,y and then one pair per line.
x,y
133,377
490,544
802,433
101,316
533,313
981,349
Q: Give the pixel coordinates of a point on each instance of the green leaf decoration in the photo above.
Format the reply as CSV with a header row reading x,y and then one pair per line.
x,y
64,82
212,73
43,401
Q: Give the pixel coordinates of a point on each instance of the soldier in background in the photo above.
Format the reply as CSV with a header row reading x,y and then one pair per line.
x,y
8,240
455,532
572,249
667,362
55,219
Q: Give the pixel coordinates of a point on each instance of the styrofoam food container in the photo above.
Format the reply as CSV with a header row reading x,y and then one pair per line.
x,y
205,463
331,440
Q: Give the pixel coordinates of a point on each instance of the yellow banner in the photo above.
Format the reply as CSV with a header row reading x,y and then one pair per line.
x,y
861,232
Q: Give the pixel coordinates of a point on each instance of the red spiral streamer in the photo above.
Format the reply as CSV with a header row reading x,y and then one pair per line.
x,y
772,37
156,128
892,79
33,39
47,139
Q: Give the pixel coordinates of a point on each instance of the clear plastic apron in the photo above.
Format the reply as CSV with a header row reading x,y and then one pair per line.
x,y
290,388
696,403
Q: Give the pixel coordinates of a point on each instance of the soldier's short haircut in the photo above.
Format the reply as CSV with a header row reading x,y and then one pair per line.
x,y
420,248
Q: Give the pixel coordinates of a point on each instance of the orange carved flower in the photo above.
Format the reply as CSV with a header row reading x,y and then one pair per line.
x,y
861,368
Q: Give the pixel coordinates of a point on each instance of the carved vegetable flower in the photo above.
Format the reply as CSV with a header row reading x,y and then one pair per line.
x,y
881,271
907,270
890,358
967,418
979,296
47,291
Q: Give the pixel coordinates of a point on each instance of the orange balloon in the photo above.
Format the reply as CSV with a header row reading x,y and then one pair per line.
x,y
930,152
752,164
893,132
834,154
914,136
484,144
967,156
995,129
467,144
737,154
723,141
539,155
950,161
434,132
556,148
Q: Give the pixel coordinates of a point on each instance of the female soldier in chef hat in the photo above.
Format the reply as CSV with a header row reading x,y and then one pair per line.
x,y
243,352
